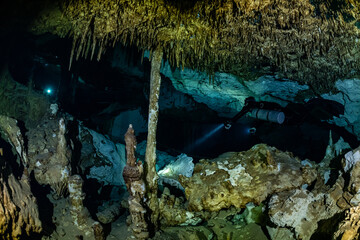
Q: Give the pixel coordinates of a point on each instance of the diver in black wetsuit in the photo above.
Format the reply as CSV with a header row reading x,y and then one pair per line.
x,y
262,110
316,111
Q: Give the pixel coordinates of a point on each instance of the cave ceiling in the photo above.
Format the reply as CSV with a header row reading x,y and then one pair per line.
x,y
311,41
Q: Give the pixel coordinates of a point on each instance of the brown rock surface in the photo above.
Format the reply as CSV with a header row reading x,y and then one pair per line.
x,y
302,210
49,154
349,228
310,41
19,215
234,179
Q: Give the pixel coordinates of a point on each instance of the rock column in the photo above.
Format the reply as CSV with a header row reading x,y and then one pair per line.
x,y
78,211
133,176
150,155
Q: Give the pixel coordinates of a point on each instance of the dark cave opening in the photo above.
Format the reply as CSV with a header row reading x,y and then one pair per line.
x,y
91,87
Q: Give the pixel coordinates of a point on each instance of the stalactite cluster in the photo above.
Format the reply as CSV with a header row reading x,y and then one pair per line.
x,y
303,40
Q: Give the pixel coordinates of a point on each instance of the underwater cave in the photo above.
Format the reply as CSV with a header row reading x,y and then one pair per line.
x,y
169,119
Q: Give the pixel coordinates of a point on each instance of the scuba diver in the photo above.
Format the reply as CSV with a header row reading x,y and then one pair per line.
x,y
267,111
316,111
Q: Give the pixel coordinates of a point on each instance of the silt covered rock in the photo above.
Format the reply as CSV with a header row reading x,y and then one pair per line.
x,y
235,179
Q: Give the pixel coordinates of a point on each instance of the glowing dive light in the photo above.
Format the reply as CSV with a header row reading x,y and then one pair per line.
x,y
48,91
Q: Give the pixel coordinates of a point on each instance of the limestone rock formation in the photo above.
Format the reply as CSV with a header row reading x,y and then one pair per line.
x,y
49,153
101,158
349,228
173,211
183,165
78,212
228,93
134,180
234,179
109,213
98,231
310,41
302,210
352,160
19,214
346,93
9,127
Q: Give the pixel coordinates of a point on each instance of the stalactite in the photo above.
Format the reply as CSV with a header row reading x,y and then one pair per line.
x,y
229,28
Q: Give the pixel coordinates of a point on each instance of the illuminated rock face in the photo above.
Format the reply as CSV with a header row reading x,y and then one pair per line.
x,y
19,215
235,179
302,210
101,157
227,93
348,95
349,228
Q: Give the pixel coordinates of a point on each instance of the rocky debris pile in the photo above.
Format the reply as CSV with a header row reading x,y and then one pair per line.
x,y
235,179
302,210
285,198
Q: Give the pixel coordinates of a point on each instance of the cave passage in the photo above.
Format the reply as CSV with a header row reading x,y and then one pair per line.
x,y
97,92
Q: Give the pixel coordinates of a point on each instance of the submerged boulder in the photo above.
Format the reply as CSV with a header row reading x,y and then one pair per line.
x,y
235,179
101,158
302,210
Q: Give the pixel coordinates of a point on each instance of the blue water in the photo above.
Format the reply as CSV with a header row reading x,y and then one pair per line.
x,y
208,135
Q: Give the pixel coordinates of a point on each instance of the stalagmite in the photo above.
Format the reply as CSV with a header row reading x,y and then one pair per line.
x,y
133,176
98,231
78,212
150,156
